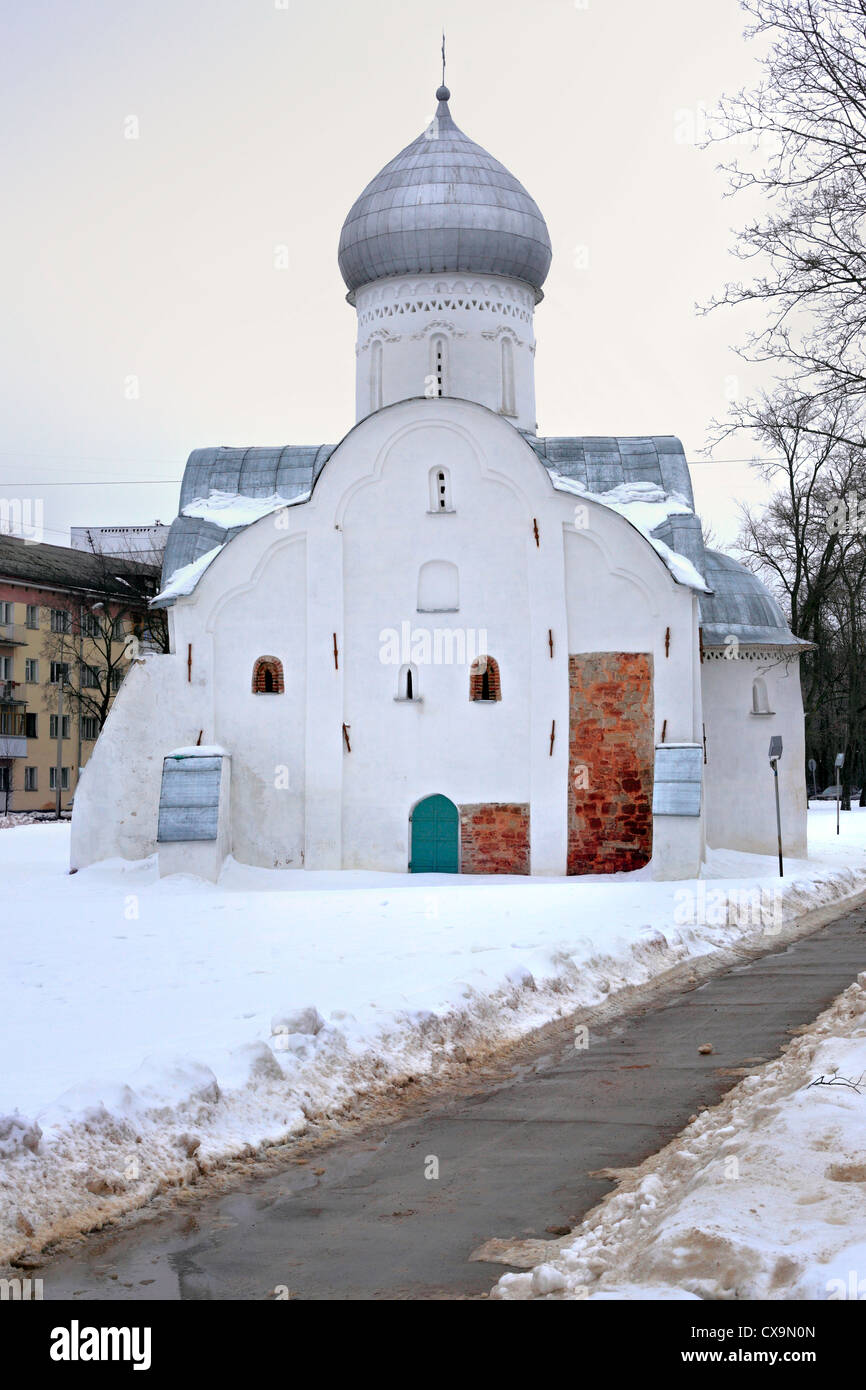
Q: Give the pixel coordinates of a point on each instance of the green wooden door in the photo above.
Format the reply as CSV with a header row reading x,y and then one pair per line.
x,y
435,837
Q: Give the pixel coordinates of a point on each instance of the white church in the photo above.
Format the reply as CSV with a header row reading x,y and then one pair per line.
x,y
447,643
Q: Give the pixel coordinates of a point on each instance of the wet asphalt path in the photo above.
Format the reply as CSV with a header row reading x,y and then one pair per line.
x,y
360,1220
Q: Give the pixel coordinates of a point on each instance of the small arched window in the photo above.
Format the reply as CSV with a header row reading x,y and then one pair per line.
x,y
507,371
268,676
760,698
439,364
407,683
440,490
484,683
376,354
438,587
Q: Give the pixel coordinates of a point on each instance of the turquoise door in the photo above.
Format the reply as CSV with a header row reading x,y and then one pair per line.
x,y
435,837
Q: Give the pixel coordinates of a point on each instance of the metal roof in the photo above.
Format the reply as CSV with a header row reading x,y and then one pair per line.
x,y
444,204
740,606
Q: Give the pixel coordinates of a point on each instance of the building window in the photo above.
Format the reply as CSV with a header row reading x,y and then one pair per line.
x,y
60,620
116,678
31,726
506,349
31,779
7,613
89,727
59,672
438,365
64,779
31,670
438,587
89,676
118,629
760,698
52,726
5,668
32,619
407,683
268,676
440,490
376,362
5,779
484,680
90,625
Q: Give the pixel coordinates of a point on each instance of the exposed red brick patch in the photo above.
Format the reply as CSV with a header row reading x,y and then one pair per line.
x,y
268,676
494,838
610,762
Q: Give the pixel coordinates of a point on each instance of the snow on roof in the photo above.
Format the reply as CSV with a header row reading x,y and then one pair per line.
x,y
647,507
230,509
184,580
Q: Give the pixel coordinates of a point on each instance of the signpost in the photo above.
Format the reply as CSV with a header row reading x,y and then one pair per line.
x,y
775,755
812,767
839,764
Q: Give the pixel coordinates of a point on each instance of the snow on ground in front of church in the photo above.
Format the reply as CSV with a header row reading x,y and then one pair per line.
x,y
759,1198
153,1027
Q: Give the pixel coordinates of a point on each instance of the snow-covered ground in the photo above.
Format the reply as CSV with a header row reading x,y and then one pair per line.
x,y
760,1197
151,1028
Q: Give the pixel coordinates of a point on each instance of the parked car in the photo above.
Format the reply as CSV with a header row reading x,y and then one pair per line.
x,y
835,792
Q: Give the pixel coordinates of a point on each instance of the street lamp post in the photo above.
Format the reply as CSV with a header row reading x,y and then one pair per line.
x,y
839,764
775,755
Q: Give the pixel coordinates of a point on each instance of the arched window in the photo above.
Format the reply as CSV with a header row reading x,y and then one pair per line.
x,y
484,680
760,698
438,587
268,676
440,490
407,683
507,371
376,398
439,363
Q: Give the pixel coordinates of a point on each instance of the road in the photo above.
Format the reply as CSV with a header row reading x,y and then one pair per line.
x,y
361,1220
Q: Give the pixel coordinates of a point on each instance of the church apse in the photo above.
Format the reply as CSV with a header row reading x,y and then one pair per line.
x,y
610,762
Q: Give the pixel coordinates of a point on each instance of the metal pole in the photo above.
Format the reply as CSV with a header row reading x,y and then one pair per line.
x,y
778,819
838,803
59,769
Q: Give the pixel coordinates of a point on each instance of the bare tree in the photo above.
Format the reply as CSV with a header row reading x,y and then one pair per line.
x,y
806,122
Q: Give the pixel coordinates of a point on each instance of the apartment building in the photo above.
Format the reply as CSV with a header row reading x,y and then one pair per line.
x,y
66,620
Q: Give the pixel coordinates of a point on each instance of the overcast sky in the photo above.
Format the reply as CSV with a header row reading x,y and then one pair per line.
x,y
143,315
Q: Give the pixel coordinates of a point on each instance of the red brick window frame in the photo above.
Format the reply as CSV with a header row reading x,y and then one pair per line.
x,y
268,676
484,685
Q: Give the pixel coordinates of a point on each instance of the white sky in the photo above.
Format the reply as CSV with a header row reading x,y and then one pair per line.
x,y
258,126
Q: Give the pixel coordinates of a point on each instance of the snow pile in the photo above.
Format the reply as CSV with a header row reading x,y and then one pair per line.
x,y
647,506
759,1198
153,1028
184,580
230,509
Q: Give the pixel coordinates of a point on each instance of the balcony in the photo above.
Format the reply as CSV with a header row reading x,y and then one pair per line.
x,y
13,635
11,693
13,740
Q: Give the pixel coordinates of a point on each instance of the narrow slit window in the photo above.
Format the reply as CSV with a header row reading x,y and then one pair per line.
x,y
407,683
484,685
268,676
439,364
440,490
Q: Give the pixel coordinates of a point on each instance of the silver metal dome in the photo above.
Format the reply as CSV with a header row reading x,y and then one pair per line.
x,y
740,606
444,204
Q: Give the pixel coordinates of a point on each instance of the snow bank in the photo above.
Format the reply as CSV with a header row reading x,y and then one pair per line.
x,y
152,1028
759,1198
